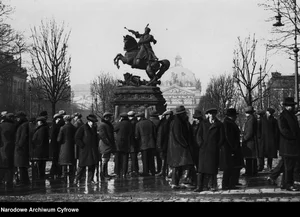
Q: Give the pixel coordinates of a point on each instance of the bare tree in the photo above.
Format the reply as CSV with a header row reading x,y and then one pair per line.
x,y
220,93
102,88
246,75
51,64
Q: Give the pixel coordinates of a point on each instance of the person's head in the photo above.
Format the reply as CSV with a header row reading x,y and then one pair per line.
x,y
41,120
232,113
289,104
123,116
249,110
67,118
167,114
211,113
56,118
270,112
131,115
140,115
20,115
92,120
107,116
260,113
76,116
180,111
44,113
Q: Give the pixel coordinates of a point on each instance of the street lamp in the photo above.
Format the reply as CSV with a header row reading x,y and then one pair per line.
x,y
295,49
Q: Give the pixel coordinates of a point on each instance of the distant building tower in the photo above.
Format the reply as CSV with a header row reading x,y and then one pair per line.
x,y
179,87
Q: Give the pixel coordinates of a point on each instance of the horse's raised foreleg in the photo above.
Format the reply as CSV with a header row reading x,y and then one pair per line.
x,y
120,57
165,64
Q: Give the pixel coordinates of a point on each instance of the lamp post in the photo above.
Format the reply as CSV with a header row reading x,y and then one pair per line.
x,y
295,49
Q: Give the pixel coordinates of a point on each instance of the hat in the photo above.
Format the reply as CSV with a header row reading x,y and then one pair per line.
x,y
154,114
211,111
260,112
57,116
20,114
197,114
131,113
249,109
180,109
77,114
9,115
62,112
140,114
271,110
67,117
124,115
107,114
43,113
231,112
3,113
92,117
41,118
32,119
289,101
167,113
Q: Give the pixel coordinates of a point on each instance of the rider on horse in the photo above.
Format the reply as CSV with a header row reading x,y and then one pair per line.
x,y
145,49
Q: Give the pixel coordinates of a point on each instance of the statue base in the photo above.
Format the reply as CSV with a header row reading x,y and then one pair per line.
x,y
138,98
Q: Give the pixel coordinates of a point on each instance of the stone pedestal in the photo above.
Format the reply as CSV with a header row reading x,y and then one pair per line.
x,y
138,98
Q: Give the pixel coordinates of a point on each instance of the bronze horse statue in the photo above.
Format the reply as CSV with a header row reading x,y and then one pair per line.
x,y
154,69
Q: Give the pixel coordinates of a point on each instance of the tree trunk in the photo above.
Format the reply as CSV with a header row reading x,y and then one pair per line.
x,y
53,105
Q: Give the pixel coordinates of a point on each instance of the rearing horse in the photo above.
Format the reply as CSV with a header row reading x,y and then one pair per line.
x,y
154,69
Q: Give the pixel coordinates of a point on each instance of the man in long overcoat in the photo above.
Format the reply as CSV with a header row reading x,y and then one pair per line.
x,y
66,137
7,147
260,117
77,122
231,155
270,137
107,144
249,142
123,131
145,134
133,146
162,140
87,139
154,117
21,156
289,147
211,139
179,155
40,146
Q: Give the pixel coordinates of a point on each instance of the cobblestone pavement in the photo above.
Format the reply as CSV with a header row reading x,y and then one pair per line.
x,y
146,189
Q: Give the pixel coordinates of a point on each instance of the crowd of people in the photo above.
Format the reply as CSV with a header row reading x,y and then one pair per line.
x,y
168,145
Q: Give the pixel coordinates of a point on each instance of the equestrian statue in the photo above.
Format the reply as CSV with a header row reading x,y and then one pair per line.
x,y
140,55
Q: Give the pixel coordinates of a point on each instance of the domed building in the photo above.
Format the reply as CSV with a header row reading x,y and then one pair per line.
x,y
179,86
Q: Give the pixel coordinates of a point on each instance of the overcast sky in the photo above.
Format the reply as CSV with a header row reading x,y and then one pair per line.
x,y
203,32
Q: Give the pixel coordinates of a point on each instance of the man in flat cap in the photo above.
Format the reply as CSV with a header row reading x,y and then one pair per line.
x,y
163,133
107,144
211,139
133,146
145,134
154,117
66,139
249,142
289,145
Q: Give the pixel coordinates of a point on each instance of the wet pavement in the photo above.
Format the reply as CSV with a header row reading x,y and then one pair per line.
x,y
145,189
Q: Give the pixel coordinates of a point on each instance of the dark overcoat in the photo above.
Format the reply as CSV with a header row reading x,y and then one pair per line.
x,y
163,133
54,145
231,153
123,131
7,143
259,135
21,158
289,134
179,145
87,140
212,138
250,144
133,141
77,124
269,138
145,134
66,138
40,143
106,136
